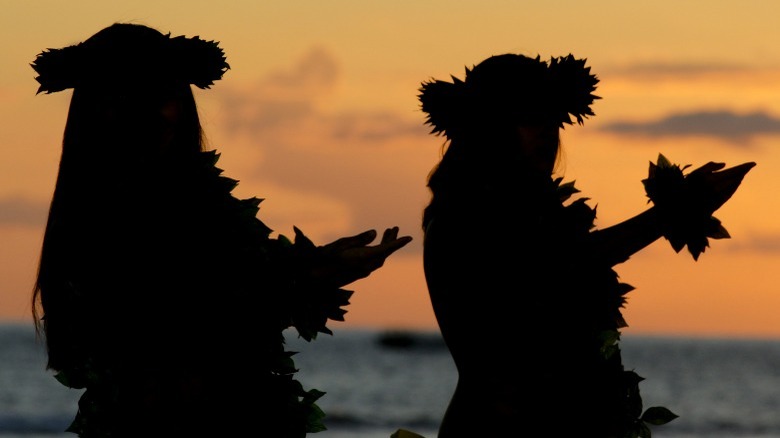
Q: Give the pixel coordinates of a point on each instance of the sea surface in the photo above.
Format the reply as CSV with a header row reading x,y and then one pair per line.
x,y
720,388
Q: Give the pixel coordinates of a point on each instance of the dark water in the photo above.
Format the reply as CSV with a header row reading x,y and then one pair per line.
x,y
720,388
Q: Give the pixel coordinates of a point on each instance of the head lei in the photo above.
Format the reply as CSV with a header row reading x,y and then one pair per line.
x,y
513,89
130,54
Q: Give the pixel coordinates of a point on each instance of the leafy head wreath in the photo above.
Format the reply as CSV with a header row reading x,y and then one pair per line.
x,y
130,54
511,88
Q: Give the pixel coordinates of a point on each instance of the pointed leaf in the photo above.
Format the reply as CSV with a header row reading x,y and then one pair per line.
x,y
658,415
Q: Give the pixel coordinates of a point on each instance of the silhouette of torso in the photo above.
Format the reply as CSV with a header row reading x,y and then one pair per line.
x,y
182,307
520,303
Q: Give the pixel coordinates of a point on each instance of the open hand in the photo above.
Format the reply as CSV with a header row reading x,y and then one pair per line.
x,y
716,186
348,259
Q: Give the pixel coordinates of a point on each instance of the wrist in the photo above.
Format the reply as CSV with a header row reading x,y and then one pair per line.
x,y
680,215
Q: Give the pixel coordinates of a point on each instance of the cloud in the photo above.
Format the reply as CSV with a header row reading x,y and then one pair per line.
x,y
677,70
318,69
369,160
758,243
375,126
21,211
296,99
721,124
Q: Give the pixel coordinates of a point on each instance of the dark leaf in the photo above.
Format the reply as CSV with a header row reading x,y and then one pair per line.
x,y
658,415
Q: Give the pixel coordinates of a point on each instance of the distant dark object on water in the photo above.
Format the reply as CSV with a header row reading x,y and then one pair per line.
x,y
406,339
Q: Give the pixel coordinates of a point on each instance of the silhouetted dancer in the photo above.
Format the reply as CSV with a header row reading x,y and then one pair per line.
x,y
160,293
521,282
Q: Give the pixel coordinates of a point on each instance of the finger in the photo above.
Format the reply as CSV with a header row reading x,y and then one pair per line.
x,y
372,258
390,234
383,250
740,169
361,239
708,168
731,177
728,181
394,245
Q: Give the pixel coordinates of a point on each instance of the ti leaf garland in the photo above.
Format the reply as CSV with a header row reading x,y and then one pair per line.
x,y
685,213
635,423
315,305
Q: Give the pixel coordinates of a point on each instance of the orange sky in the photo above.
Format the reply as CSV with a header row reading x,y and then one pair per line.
x,y
319,116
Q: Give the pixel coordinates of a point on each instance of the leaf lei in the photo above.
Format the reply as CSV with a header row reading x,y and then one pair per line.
x,y
315,305
634,422
130,53
511,86
684,219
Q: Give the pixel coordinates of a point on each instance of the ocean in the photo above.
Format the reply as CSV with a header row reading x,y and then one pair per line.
x,y
719,387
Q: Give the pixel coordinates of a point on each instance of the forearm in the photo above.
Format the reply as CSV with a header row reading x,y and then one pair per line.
x,y
617,243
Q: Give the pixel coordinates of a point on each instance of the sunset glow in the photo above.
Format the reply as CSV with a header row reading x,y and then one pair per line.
x,y
319,116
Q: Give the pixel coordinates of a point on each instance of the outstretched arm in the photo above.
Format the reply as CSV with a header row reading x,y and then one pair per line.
x,y
704,191
320,272
617,243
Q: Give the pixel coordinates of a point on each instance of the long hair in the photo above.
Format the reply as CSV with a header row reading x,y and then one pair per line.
x,y
473,162
111,134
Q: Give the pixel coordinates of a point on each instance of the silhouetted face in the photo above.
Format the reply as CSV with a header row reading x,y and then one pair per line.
x,y
146,118
148,112
169,114
538,145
